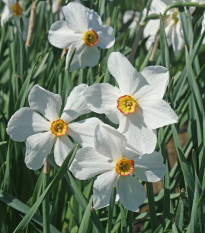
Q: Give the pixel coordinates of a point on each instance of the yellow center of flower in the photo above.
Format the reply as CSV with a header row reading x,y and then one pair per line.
x,y
59,127
124,167
175,16
17,10
90,38
126,104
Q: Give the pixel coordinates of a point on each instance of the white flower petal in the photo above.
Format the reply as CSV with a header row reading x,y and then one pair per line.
x,y
131,15
105,37
90,56
102,98
128,15
128,78
95,21
24,123
61,36
38,146
84,56
46,102
149,167
176,37
109,141
158,79
123,121
129,153
157,113
75,105
132,193
159,6
102,189
76,61
6,14
62,148
151,29
88,163
77,16
142,139
83,131
113,117
139,137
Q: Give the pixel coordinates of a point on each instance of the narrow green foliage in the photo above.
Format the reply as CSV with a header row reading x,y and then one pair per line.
x,y
164,46
49,188
22,208
152,207
85,223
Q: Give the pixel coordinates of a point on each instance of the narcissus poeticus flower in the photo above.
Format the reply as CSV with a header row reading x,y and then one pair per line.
x,y
82,30
116,166
137,104
45,130
172,23
12,9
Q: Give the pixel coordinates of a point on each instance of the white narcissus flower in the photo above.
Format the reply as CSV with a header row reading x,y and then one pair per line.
x,y
116,165
82,30
137,105
173,28
41,134
12,9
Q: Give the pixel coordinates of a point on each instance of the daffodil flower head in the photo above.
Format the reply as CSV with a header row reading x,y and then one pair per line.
x,y
82,30
116,166
136,104
172,23
13,9
45,130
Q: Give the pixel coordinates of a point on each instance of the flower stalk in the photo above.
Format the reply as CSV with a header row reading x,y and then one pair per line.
x,y
31,24
183,4
152,207
136,42
45,203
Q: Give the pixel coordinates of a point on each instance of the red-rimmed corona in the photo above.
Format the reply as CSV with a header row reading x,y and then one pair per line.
x,y
124,167
90,38
16,9
126,104
59,127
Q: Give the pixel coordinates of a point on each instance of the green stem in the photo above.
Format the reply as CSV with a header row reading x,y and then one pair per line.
x,y
110,209
45,203
152,208
183,4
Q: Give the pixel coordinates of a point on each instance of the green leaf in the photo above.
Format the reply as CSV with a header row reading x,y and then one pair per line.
x,y
194,213
123,220
164,49
174,228
150,195
179,218
22,208
61,172
82,201
193,83
188,177
110,209
25,88
85,223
